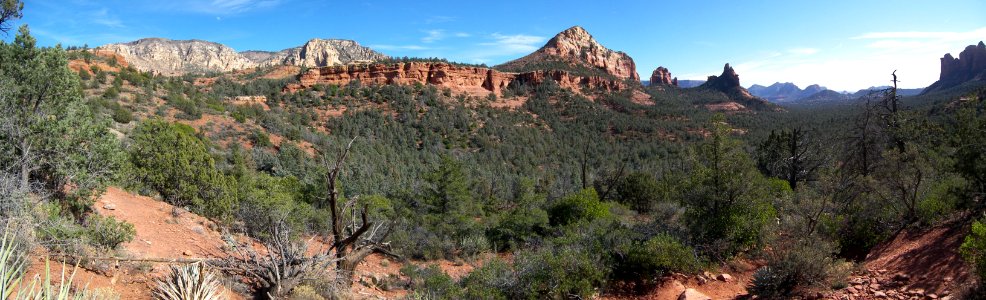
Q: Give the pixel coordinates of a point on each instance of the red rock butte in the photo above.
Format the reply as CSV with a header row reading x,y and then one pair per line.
x,y
472,80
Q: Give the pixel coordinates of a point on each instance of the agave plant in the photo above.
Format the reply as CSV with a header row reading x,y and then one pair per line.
x,y
43,289
189,282
11,266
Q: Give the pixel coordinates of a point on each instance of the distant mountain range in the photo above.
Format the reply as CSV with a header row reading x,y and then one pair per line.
x,y
784,92
689,83
176,57
790,93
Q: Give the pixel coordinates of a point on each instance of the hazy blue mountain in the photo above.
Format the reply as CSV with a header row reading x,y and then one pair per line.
x,y
689,83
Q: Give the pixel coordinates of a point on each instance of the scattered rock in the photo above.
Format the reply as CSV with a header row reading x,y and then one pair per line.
x,y
901,277
109,206
933,296
186,253
879,294
198,229
724,277
692,294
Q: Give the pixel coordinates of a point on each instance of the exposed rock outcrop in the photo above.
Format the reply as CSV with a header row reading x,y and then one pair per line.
x,y
176,57
171,57
318,53
473,80
577,48
729,83
971,65
662,77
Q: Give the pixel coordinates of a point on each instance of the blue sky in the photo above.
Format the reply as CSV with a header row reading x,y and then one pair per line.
x,y
844,45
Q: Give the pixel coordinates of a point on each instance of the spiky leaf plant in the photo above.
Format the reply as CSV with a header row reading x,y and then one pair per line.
x,y
189,282
43,289
11,266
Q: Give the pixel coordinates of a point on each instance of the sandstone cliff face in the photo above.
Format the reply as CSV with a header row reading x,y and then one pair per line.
x,y
318,53
971,65
172,57
473,80
177,57
662,77
577,47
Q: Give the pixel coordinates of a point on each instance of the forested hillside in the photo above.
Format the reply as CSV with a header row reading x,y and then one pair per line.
x,y
545,191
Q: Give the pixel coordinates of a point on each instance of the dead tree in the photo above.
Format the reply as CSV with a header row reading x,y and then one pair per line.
x,y
280,266
351,242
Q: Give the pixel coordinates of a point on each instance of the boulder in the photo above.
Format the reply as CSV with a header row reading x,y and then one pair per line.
x,y
692,294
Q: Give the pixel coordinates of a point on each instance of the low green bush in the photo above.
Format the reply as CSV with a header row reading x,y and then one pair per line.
x,y
789,270
973,249
558,273
108,232
645,262
431,283
122,115
495,280
581,206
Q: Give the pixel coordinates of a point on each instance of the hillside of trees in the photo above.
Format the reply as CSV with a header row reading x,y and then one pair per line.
x,y
589,193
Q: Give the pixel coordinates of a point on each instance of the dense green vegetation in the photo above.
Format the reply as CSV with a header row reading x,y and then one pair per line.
x,y
590,192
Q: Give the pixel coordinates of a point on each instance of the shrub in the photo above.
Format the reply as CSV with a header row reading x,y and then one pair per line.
x,y
942,200
305,292
494,280
84,75
170,159
518,227
431,283
108,232
558,273
639,191
644,262
973,249
111,93
260,139
189,282
581,206
805,264
122,115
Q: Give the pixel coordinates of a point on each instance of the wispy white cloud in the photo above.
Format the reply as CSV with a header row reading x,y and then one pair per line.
x,y
433,36
513,44
399,47
439,19
219,7
103,17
